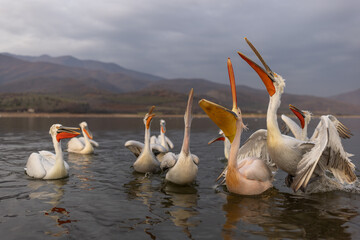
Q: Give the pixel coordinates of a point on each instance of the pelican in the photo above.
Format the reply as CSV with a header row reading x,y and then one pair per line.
x,y
136,147
83,145
146,161
182,167
45,164
227,144
300,132
302,160
162,139
245,175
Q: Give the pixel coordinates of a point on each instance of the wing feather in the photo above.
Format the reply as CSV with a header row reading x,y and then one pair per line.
x,y
328,152
169,142
168,161
134,146
294,128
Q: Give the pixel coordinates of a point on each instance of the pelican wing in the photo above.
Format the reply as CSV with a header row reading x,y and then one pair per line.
x,y
253,169
169,142
256,146
195,159
48,160
328,152
94,143
134,146
34,167
157,149
154,140
48,155
168,161
76,144
292,126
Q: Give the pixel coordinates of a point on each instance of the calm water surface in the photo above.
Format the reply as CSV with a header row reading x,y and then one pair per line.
x,y
104,199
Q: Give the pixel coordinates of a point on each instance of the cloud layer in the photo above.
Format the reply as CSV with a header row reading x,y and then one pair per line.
x,y
314,45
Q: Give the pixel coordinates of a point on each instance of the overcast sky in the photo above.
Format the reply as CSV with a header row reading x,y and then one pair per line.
x,y
313,44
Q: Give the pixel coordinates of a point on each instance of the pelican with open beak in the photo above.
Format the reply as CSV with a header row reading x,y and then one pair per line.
x,y
47,165
302,160
245,175
85,144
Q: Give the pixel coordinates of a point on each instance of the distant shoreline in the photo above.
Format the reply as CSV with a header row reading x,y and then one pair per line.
x,y
121,115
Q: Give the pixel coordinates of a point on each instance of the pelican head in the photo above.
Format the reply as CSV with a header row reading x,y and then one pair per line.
x,y
303,116
84,127
148,117
61,132
163,125
272,81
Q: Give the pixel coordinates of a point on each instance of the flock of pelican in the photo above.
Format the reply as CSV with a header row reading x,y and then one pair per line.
x,y
251,166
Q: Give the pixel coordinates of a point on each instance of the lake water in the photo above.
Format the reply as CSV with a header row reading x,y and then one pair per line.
x,y
104,199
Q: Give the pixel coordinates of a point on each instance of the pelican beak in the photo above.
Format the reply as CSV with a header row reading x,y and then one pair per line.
x,y
188,114
299,114
232,84
224,118
149,117
267,76
218,138
66,132
88,132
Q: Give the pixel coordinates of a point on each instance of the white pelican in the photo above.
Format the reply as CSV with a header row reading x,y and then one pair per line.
x,y
245,175
183,167
146,161
136,147
45,164
300,159
162,139
83,145
227,144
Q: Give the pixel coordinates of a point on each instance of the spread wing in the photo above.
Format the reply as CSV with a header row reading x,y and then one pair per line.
x,y
292,126
256,146
168,161
328,152
135,147
342,130
94,143
169,142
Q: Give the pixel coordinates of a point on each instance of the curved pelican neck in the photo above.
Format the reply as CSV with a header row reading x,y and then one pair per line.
x,y
271,117
86,138
235,145
147,139
59,160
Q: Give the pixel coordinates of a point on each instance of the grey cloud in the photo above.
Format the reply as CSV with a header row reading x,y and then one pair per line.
x,y
312,44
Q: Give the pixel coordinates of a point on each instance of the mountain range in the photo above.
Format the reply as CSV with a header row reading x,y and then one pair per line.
x,y
68,84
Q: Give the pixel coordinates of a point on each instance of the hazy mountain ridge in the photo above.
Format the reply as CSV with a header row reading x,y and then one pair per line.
x,y
352,97
105,87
